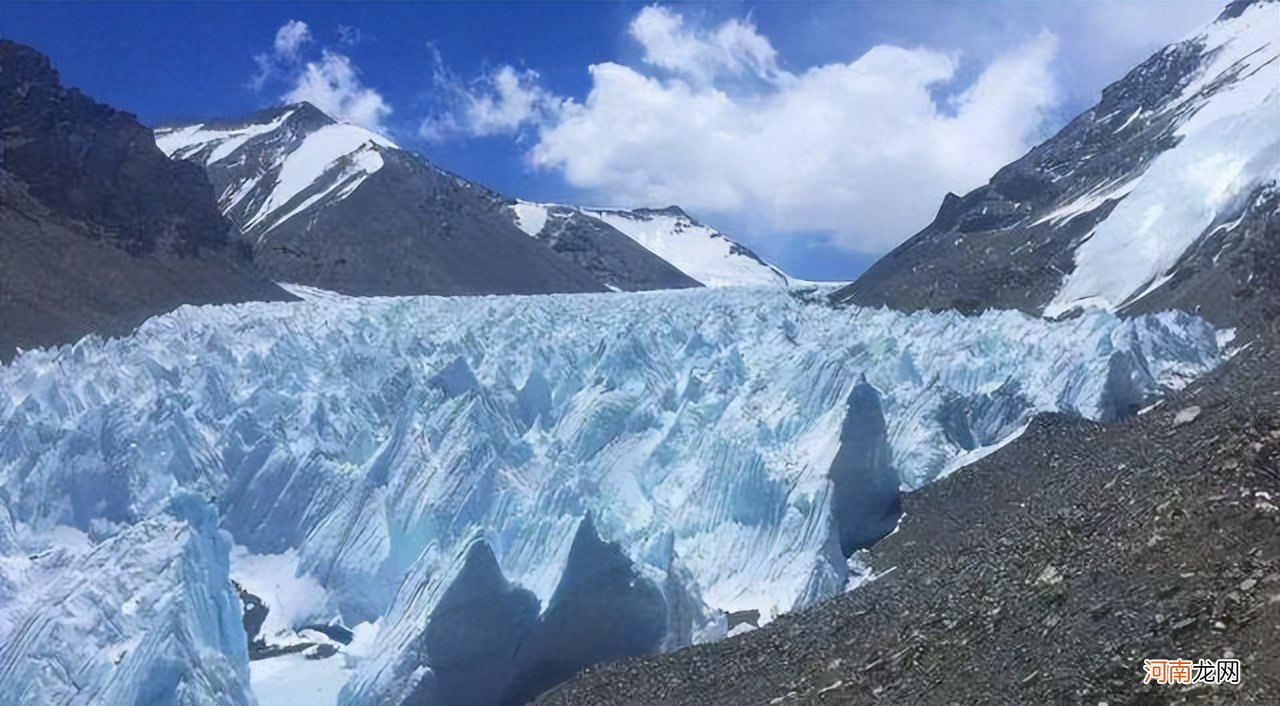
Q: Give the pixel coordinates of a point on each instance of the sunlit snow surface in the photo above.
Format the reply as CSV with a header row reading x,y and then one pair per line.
x,y
329,162
367,441
699,251
1228,142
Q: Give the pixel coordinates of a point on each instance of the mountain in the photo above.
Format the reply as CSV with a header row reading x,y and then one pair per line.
x,y
606,252
699,251
98,229
334,206
447,500
1162,195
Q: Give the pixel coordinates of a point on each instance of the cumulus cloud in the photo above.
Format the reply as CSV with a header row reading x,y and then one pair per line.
x,y
499,102
860,151
733,49
331,82
333,85
515,98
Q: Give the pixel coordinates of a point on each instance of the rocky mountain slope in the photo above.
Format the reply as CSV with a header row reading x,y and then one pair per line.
x,y
98,230
615,259
700,252
1163,194
335,206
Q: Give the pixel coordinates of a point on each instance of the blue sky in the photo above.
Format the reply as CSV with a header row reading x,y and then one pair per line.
x,y
821,134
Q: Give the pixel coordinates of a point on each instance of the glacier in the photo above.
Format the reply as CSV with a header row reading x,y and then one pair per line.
x,y
529,464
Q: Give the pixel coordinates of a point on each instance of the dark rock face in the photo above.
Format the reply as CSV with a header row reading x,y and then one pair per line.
x,y
98,229
601,611
255,615
472,634
609,255
865,500
98,165
412,229
998,248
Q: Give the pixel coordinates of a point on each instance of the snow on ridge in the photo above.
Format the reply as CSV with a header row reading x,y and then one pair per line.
x,y
182,142
371,439
1229,124
701,252
330,161
342,155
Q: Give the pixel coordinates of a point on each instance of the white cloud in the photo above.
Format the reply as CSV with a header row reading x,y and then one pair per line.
x,y
333,85
862,151
290,37
733,49
500,102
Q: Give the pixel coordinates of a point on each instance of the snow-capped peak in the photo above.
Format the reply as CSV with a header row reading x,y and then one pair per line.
x,y
699,251
279,162
1226,119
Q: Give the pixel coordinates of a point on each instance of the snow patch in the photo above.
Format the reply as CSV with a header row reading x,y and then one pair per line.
x,y
180,143
342,155
530,217
292,599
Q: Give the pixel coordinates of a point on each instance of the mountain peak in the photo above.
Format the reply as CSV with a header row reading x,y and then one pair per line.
x,y
1237,8
672,210
26,61
1118,210
297,156
307,114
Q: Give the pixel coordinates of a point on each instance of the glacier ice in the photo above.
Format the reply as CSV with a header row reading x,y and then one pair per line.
x,y
392,448
146,616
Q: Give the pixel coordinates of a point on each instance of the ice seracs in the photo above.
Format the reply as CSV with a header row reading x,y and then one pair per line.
x,y
370,444
145,614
